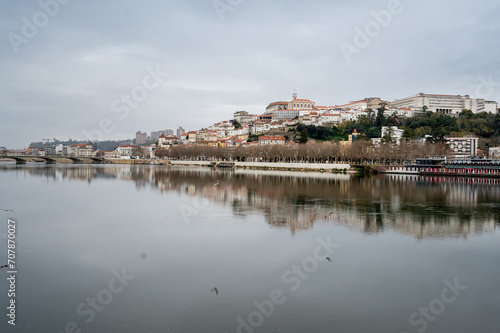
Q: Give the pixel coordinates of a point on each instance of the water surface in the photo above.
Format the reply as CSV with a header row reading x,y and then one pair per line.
x,y
397,244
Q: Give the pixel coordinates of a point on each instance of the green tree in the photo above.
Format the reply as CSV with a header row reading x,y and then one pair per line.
x,y
253,138
236,123
381,120
389,136
408,134
303,136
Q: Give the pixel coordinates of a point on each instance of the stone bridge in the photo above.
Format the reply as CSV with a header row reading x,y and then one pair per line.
x,y
21,159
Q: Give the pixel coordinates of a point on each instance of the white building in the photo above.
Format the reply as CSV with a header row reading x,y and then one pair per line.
x,y
192,137
447,104
349,116
272,140
494,152
462,147
80,150
59,149
244,117
330,118
362,105
165,142
402,112
285,114
260,127
149,150
125,150
236,132
277,126
211,135
184,139
491,106
112,154
276,106
393,132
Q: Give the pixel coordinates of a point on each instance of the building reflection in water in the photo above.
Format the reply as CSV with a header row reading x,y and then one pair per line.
x,y
423,207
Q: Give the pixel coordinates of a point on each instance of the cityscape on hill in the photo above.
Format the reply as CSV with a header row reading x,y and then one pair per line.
x,y
470,127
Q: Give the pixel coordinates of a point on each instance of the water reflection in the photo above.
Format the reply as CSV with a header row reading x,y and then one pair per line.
x,y
418,206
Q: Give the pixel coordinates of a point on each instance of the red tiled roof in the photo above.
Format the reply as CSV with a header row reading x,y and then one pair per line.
x,y
278,103
441,95
351,103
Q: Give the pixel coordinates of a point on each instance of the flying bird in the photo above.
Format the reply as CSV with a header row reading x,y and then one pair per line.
x,y
215,290
329,259
4,266
6,210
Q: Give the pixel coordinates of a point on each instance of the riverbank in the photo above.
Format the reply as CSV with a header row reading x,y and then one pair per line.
x,y
303,167
321,167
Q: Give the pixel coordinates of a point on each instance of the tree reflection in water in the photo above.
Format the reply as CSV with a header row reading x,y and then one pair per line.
x,y
418,206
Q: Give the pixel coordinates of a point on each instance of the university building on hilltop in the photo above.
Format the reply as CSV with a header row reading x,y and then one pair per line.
x,y
447,104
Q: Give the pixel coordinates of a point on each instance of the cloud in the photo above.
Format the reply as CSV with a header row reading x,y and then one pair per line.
x,y
64,79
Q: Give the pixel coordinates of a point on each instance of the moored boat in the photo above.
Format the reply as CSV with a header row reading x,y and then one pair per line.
x,y
472,167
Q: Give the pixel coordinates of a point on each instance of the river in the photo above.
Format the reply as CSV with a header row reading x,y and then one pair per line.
x,y
183,249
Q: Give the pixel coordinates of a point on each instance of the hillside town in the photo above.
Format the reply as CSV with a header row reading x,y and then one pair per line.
x,y
277,126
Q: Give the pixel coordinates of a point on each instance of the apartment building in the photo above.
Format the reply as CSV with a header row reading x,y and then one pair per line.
x,y
462,147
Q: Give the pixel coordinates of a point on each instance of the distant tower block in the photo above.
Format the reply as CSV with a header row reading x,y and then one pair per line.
x,y
180,131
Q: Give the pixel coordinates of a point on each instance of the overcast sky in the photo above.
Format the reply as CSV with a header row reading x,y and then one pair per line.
x,y
107,69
